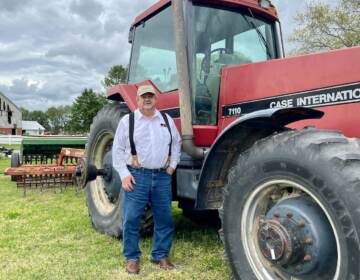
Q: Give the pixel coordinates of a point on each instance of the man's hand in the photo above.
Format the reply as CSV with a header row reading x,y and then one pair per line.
x,y
170,170
127,183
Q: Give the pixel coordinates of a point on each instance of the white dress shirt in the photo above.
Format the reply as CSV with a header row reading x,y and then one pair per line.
x,y
151,138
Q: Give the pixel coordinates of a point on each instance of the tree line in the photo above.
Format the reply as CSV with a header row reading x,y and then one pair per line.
x,y
77,117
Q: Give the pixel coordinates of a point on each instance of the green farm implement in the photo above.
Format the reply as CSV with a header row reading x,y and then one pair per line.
x,y
45,149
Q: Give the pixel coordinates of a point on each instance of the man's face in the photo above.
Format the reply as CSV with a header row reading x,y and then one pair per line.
x,y
146,101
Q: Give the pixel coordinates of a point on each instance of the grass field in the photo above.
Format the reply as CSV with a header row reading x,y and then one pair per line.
x,y
48,235
15,147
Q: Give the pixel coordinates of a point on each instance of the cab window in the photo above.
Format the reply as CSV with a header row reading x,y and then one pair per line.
x,y
153,55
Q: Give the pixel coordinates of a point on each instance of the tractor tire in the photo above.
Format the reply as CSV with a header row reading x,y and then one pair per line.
x,y
15,162
104,196
291,208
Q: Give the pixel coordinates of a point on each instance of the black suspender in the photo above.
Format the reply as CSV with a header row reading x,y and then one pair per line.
x,y
168,127
131,137
135,160
131,133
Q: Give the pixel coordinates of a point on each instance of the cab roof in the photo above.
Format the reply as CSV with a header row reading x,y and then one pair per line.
x,y
254,4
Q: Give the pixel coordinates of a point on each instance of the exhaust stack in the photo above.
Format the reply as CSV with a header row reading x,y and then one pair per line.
x,y
184,82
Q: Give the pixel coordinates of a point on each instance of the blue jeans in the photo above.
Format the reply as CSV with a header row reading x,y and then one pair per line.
x,y
154,187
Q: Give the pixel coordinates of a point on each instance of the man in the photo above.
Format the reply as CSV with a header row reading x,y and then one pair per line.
x,y
145,163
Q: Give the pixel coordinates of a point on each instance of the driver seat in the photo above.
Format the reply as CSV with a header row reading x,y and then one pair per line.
x,y
213,78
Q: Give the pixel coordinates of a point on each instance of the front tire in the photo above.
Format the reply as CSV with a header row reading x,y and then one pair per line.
x,y
104,195
291,208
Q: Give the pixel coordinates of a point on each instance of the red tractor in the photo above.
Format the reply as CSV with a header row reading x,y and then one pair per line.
x,y
288,193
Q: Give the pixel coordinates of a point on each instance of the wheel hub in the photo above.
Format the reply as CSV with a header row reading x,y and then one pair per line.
x,y
274,241
111,179
295,236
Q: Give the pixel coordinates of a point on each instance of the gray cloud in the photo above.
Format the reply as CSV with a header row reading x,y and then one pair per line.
x,y
11,6
87,9
51,50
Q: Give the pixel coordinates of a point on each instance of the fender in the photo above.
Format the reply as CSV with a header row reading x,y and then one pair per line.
x,y
235,139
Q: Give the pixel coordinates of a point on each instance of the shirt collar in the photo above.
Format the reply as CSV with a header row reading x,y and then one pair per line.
x,y
139,115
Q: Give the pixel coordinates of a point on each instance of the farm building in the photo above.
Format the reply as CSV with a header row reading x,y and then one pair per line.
x,y
32,128
10,117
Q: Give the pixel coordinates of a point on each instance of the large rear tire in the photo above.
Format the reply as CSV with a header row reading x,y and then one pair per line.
x,y
104,195
291,208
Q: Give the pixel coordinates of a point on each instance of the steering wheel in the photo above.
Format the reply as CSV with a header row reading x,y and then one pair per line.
x,y
205,63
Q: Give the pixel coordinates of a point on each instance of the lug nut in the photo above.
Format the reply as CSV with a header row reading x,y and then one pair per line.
x,y
307,258
301,223
289,215
308,241
298,268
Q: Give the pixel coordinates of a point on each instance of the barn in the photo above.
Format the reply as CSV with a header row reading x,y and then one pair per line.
x,y
10,117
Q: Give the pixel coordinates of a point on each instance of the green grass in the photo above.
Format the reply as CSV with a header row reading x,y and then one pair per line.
x,y
48,235
4,163
12,146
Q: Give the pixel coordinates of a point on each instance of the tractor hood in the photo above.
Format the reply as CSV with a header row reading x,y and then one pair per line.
x,y
329,81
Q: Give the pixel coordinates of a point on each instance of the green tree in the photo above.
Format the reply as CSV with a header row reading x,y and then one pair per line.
x,y
116,75
58,117
325,27
25,114
39,116
83,111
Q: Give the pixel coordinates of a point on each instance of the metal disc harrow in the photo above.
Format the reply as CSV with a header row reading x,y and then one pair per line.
x,y
45,176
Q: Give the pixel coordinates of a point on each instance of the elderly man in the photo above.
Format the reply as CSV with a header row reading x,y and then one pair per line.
x,y
146,151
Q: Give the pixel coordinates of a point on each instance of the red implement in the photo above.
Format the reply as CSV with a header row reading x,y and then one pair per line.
x,y
48,175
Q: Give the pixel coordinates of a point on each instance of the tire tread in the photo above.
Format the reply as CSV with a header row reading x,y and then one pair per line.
x,y
341,154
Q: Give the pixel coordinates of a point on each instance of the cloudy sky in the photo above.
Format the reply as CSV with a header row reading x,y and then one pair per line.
x,y
51,50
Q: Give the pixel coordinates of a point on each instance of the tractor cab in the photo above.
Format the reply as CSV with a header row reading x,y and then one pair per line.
x,y
217,36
